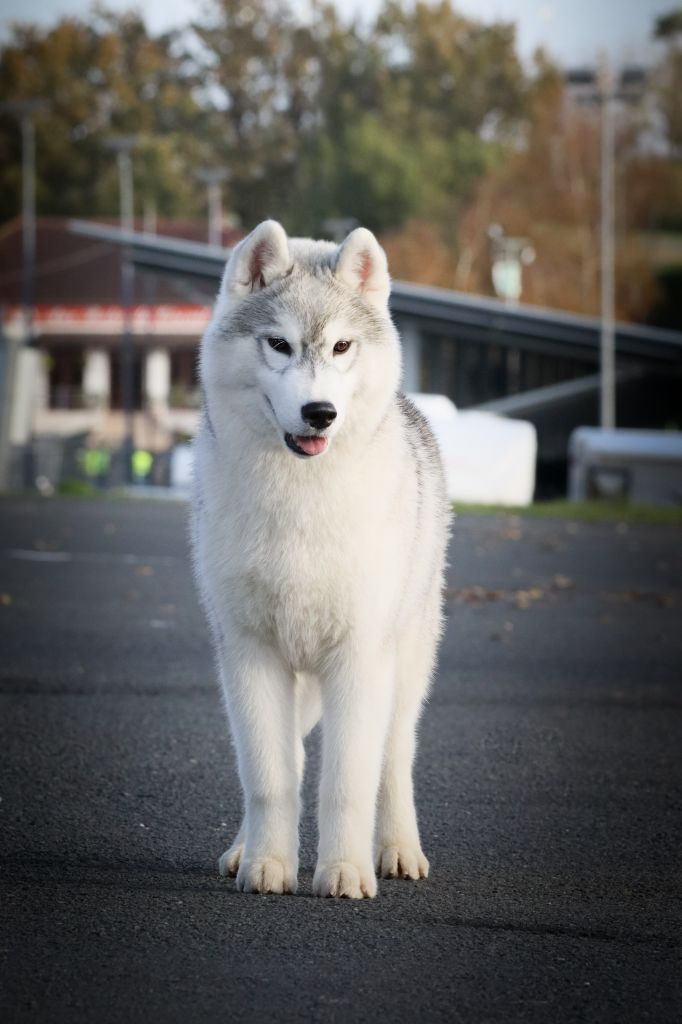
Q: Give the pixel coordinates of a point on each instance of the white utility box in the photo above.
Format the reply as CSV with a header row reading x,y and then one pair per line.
x,y
640,466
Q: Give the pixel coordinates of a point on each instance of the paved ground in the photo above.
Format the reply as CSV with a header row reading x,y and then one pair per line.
x,y
549,781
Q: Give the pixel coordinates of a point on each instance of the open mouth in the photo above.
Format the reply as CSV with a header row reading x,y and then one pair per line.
x,y
306,445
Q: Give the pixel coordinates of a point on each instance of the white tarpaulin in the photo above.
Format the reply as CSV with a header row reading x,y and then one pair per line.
x,y
489,459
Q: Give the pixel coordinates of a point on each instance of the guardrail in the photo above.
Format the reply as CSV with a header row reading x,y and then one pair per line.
x,y
436,310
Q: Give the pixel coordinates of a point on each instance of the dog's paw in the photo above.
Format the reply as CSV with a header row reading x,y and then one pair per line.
x,y
344,879
266,874
228,865
404,860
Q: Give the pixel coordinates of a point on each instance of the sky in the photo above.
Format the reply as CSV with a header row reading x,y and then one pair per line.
x,y
574,31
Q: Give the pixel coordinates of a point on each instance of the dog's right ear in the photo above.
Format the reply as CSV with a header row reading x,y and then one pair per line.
x,y
361,265
257,261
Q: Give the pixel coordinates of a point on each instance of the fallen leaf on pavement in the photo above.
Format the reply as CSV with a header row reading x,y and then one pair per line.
x,y
560,582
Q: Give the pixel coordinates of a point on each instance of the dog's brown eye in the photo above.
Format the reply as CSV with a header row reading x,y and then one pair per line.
x,y
341,347
280,345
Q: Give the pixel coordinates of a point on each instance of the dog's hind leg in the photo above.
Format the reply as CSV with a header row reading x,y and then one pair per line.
x,y
399,853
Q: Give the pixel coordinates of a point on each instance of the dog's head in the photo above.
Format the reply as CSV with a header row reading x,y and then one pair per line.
x,y
302,330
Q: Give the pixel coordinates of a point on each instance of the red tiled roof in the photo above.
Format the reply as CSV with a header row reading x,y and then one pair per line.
x,y
71,269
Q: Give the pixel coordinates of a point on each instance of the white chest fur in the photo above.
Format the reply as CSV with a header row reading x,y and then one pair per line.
x,y
299,552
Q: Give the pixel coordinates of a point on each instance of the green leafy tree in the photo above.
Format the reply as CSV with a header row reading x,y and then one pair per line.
x,y
310,119
668,29
279,96
328,119
101,78
448,71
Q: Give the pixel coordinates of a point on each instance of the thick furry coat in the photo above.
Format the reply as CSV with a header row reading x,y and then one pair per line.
x,y
319,531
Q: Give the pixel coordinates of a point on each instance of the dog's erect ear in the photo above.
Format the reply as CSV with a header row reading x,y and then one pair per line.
x,y
257,261
362,266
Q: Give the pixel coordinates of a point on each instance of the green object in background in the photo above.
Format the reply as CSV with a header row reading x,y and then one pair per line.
x,y
96,462
142,461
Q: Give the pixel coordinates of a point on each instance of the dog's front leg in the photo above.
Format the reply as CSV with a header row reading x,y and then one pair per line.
x,y
357,692
260,701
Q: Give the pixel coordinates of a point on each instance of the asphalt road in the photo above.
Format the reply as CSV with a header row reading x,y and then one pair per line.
x,y
549,785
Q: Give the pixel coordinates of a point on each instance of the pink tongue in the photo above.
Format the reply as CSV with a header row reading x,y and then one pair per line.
x,y
311,445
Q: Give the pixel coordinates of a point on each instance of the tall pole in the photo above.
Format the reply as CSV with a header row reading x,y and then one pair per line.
x,y
24,110
213,177
125,171
215,214
28,221
125,184
7,357
627,86
607,397
149,224
122,146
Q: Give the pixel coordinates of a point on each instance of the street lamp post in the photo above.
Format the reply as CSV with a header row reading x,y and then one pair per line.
x,y
510,255
607,347
602,87
213,177
24,111
28,219
122,146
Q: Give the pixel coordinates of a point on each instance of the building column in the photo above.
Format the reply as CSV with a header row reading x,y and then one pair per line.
x,y
97,379
23,405
157,378
42,383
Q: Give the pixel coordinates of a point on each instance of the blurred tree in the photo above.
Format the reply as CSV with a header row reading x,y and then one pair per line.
x,y
419,252
280,97
548,190
422,125
310,119
669,78
324,119
448,71
364,172
452,92
664,203
101,78
668,25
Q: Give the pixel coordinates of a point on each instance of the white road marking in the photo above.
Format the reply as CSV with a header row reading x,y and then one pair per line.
x,y
104,557
40,556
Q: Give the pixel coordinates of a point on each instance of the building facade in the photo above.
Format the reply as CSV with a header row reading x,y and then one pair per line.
x,y
519,361
74,371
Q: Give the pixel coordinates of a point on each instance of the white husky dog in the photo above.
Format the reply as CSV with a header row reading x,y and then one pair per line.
x,y
320,525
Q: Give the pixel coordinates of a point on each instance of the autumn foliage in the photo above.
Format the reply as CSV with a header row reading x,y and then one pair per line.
x,y
424,126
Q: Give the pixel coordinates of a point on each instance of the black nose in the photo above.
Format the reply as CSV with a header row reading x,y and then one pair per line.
x,y
318,414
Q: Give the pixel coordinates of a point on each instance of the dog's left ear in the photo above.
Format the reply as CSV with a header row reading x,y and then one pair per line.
x,y
257,261
362,266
